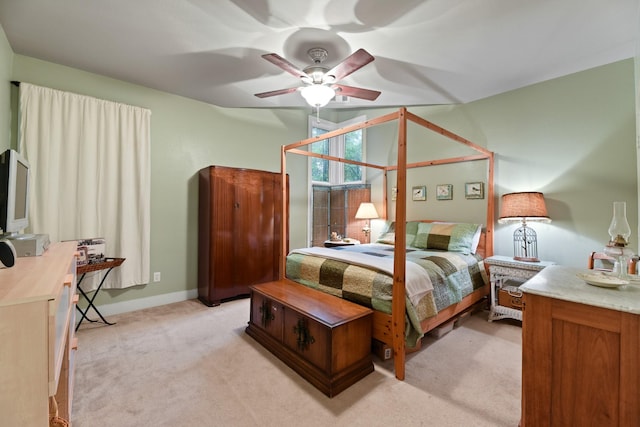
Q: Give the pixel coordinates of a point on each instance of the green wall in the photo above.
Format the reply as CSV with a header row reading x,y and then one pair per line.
x,y
572,138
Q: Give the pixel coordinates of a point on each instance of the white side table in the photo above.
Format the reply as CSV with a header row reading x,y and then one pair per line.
x,y
508,274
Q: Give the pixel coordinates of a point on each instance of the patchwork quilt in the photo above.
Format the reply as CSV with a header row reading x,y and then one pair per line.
x,y
363,274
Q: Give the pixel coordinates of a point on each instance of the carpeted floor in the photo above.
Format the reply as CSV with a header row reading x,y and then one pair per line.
x,y
186,364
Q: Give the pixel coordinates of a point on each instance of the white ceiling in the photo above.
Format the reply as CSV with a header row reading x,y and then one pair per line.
x,y
427,52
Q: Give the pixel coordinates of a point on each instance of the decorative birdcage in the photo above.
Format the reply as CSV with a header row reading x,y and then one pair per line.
x,y
525,244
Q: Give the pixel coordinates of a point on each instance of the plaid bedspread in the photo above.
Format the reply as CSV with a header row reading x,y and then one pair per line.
x,y
367,281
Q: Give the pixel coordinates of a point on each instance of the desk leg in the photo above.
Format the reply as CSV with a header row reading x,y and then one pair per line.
x,y
90,301
84,313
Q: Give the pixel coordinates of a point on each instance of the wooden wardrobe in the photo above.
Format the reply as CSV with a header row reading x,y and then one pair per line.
x,y
239,237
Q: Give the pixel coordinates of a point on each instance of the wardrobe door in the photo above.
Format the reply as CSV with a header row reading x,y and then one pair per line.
x,y
223,234
271,222
257,202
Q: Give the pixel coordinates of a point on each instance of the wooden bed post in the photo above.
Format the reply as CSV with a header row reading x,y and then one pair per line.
x,y
385,194
284,236
399,263
490,210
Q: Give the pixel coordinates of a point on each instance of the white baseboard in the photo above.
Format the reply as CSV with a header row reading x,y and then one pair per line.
x,y
140,303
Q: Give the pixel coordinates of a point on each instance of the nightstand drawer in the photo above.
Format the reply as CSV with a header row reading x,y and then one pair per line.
x,y
510,297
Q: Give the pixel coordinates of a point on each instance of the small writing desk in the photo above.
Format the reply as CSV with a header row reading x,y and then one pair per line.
x,y
108,264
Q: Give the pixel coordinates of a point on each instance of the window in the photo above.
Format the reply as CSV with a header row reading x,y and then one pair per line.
x,y
349,146
319,167
336,188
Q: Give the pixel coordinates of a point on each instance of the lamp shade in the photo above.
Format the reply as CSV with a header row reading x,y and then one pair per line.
x,y
317,95
529,206
366,211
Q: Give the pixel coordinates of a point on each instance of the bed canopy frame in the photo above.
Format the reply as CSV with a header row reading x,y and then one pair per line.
x,y
398,292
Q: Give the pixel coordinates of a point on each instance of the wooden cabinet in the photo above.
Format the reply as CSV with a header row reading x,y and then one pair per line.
x,y
325,339
239,231
580,352
37,318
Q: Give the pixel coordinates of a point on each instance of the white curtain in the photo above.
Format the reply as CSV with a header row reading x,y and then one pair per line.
x,y
90,175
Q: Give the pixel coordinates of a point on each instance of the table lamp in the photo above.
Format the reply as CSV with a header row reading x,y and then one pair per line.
x,y
619,232
523,207
366,211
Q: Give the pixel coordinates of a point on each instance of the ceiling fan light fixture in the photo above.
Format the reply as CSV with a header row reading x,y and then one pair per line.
x,y
317,95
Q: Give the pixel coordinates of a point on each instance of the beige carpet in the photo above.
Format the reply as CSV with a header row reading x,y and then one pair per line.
x,y
186,364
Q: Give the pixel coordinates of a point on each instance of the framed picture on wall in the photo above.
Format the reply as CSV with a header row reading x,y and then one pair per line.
x,y
419,193
444,192
474,190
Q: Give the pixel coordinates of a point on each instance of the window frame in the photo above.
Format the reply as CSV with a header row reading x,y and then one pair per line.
x,y
336,149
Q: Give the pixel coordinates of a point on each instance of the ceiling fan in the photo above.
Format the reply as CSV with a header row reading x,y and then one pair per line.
x,y
320,82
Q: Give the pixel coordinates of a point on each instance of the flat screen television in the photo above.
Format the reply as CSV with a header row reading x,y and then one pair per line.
x,y
14,192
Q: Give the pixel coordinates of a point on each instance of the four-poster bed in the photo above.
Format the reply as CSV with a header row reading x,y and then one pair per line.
x,y
390,328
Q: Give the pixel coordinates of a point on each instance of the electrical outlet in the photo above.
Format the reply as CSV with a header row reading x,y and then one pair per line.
x,y
156,276
387,353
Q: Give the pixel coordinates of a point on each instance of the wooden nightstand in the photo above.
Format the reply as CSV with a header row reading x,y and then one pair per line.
x,y
506,275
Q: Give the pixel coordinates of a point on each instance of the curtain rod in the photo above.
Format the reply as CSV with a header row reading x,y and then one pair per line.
x,y
15,83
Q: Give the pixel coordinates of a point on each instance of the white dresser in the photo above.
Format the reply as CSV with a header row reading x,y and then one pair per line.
x,y
37,336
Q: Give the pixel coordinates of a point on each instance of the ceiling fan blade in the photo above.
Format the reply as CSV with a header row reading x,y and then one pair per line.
x,y
356,92
276,92
354,62
279,61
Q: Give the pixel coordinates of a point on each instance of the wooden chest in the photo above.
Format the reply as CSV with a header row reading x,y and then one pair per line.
x,y
325,339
